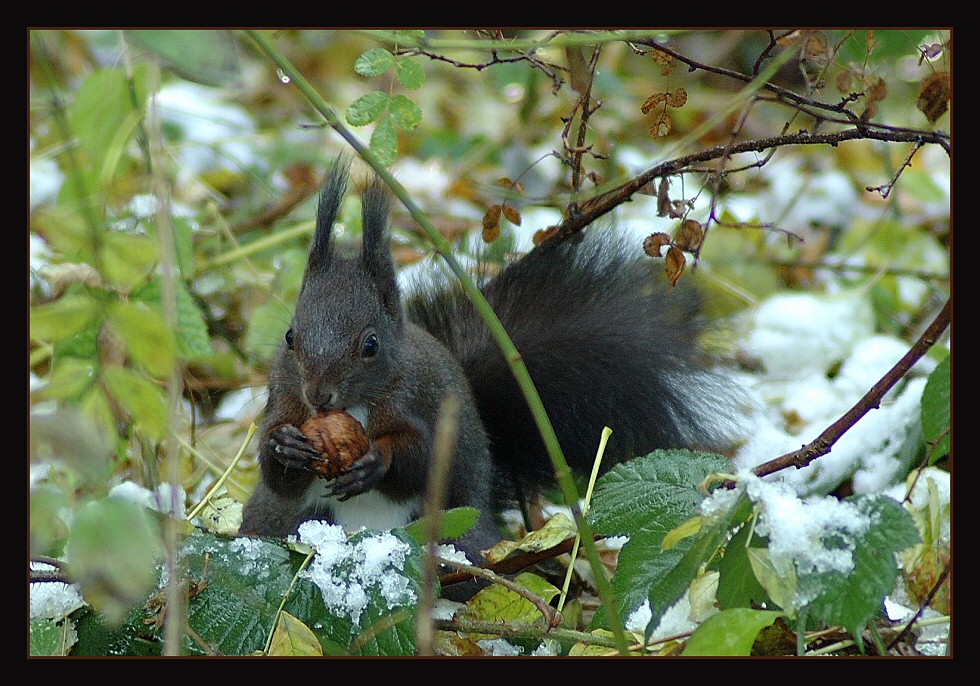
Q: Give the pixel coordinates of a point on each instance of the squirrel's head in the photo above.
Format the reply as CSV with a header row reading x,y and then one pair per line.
x,y
345,334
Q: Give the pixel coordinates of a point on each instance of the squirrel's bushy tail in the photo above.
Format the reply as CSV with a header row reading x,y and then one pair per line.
x,y
605,344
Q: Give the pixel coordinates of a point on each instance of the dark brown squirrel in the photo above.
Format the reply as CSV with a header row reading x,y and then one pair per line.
x,y
603,340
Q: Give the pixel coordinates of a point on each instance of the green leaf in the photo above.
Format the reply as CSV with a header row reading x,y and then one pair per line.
x,y
409,74
851,599
935,409
452,525
404,113
47,638
141,398
645,499
99,111
737,584
384,142
63,318
146,336
112,555
209,57
374,62
367,108
127,259
192,332
730,632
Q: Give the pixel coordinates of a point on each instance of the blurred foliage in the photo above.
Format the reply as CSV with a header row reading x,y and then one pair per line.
x,y
172,177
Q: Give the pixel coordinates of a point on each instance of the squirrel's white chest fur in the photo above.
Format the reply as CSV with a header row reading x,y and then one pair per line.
x,y
371,510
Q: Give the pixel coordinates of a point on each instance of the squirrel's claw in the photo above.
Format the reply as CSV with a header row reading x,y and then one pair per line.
x,y
288,446
361,477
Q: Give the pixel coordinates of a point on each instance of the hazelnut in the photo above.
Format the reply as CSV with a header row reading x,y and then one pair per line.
x,y
340,440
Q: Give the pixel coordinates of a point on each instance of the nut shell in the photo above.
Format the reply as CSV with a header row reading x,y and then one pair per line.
x,y
340,440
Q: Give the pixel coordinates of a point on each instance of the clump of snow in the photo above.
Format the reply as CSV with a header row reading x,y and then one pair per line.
x,y
53,599
798,530
347,574
821,356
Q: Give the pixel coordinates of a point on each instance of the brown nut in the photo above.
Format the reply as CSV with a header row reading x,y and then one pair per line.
x,y
340,440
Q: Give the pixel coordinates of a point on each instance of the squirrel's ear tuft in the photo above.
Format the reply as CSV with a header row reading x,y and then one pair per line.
x,y
331,196
376,255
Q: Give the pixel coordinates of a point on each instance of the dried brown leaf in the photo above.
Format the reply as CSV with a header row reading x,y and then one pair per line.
x,y
652,102
844,80
934,96
543,234
816,53
789,39
689,235
663,198
677,98
512,214
492,216
675,264
869,41
653,244
661,125
660,57
504,182
875,88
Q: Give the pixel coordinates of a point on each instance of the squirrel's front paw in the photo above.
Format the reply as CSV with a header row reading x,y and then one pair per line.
x,y
290,448
361,477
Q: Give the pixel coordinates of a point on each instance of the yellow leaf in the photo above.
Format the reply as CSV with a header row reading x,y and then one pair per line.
x,y
292,638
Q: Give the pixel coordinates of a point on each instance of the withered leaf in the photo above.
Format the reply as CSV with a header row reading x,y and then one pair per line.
x,y
491,224
653,243
663,198
661,125
660,57
513,216
789,39
689,235
677,98
675,264
869,41
816,53
934,96
875,88
844,80
543,234
652,102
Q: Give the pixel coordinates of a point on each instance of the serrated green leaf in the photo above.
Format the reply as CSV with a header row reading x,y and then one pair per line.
x,y
655,493
374,62
367,108
63,318
851,599
148,339
384,142
645,499
776,576
404,113
192,332
209,57
935,409
730,632
409,73
112,555
47,638
141,398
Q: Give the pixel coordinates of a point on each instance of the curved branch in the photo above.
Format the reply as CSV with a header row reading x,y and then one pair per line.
x,y
823,443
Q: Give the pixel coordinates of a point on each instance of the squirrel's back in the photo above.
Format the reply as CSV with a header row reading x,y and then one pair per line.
x,y
606,343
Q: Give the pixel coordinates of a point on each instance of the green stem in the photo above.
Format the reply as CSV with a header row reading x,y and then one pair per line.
x,y
562,472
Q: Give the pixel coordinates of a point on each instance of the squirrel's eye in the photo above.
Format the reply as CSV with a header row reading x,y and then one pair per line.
x,y
289,338
369,348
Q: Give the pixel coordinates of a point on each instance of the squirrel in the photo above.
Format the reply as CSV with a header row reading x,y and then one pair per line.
x,y
604,342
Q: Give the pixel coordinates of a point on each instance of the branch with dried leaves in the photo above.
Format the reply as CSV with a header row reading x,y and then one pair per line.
x,y
596,207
